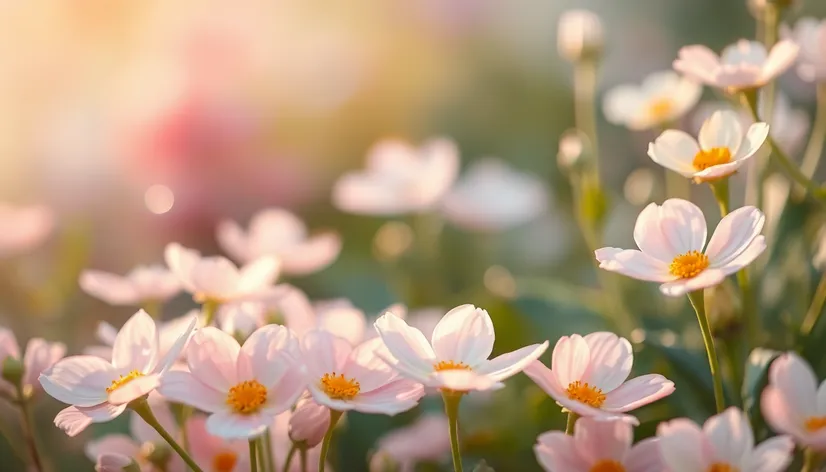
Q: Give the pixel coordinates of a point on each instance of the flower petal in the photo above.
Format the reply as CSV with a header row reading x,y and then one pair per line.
x,y
314,254
781,414
683,225
111,288
675,150
682,446
136,346
649,238
461,380
718,171
133,389
633,263
368,368
707,278
215,277
74,420
570,359
698,62
290,387
391,399
40,355
610,361
180,330
465,334
506,365
212,356
225,424
730,436
324,353
79,380
772,455
555,453
645,457
780,58
796,382
722,130
113,444
746,257
232,239
755,137
733,235
602,440
407,345
258,274
183,387
181,260
637,392
267,354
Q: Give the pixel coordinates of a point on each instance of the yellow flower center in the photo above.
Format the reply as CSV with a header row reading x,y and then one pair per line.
x,y
450,365
123,380
815,423
721,467
607,465
224,461
661,109
711,157
247,397
337,387
688,265
585,393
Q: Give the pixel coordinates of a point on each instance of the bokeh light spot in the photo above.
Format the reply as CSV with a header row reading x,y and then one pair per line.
x,y
159,199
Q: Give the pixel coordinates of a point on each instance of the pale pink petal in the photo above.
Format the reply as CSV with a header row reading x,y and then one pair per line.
x,y
289,389
258,274
587,411
183,387
755,137
781,414
112,444
675,150
599,440
570,359
181,260
772,455
133,389
391,399
649,238
461,381
211,357
112,462
321,397
733,235
544,378
634,264
297,310
752,252
697,62
718,171
324,353
682,446
707,278
780,58
74,420
645,457
465,334
345,321
111,288
722,130
225,424
821,397
267,354
216,277
314,254
136,346
79,380
40,355
795,380
611,358
309,422
369,369
621,104
233,240
637,392
511,363
179,331
730,436
8,345
683,225
202,445
368,195
407,345
555,453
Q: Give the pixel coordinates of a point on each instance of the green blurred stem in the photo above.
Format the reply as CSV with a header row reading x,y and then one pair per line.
x,y
303,460
452,400
253,455
811,460
209,309
814,149
697,300
267,451
569,426
289,460
328,436
27,426
815,309
585,112
154,308
141,407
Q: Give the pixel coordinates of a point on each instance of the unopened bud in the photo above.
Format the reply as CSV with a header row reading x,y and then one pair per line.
x,y
383,462
309,422
574,151
579,36
12,370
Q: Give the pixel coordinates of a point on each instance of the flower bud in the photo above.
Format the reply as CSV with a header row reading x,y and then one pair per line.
x,y
579,35
12,370
574,151
309,422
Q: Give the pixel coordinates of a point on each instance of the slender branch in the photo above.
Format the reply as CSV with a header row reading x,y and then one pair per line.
x,y
289,460
815,309
253,456
811,460
141,407
328,436
267,451
585,115
569,426
814,149
698,302
27,425
303,460
452,400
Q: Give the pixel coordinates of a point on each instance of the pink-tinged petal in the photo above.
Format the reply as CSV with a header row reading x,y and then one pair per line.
x,y
112,462
313,255
645,457
104,352
134,389
757,247
733,235
555,452
697,62
40,355
233,240
722,130
718,171
465,334
404,369
112,444
181,260
366,194
570,360
772,455
368,368
258,274
288,390
309,422
707,278
637,392
74,420
682,446
780,58
610,360
391,399
730,436
599,440
634,264
674,150
621,104
462,381
755,137
324,353
227,425
649,238
202,445
180,331
212,356
544,378
79,380
511,363
587,411
795,380
216,277
183,387
136,346
407,345
683,225
267,354
106,334
782,414
345,321
112,289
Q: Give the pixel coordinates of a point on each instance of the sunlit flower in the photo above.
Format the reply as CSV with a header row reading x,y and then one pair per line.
x,y
492,196
217,279
579,35
309,422
426,439
810,35
99,390
112,462
140,285
601,446
661,99
278,233
39,356
588,376
793,403
399,179
720,150
212,452
25,228
241,387
456,358
671,239
725,443
743,65
343,377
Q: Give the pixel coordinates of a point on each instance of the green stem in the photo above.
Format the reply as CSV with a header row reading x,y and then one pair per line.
x,y
141,407
303,460
328,436
209,309
267,451
814,149
452,400
815,309
585,115
569,426
289,460
811,460
27,425
698,302
253,456
186,412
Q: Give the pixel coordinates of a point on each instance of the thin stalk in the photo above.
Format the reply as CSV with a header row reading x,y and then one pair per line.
x,y
815,309
289,460
267,451
452,400
811,460
569,426
141,407
303,460
328,436
27,425
253,455
209,309
698,302
814,149
585,114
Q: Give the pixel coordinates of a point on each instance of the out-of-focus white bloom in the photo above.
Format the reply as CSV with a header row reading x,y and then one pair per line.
x,y
39,356
579,35
278,233
743,65
810,35
24,228
399,179
427,439
141,284
573,150
492,196
661,99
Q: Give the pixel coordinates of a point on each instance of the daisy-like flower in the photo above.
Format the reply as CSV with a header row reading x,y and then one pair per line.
x,y
212,452
426,439
588,376
671,238
720,150
597,446
217,279
39,356
810,34
399,179
99,390
794,404
744,65
143,284
343,378
661,99
492,196
241,387
456,358
278,233
579,35
724,444
26,228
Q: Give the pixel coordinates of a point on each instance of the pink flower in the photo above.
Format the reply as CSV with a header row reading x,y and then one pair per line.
x,y
345,378
281,444
278,233
721,151
426,439
242,387
725,442
25,228
794,404
309,422
597,446
142,284
40,355
671,238
810,34
99,390
457,356
579,35
588,376
112,462
743,65
216,278
661,99
399,179
212,452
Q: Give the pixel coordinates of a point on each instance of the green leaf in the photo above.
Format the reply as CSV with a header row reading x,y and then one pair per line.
x,y
755,379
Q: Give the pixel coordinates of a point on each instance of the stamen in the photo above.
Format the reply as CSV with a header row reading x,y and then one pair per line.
x,y
688,265
607,465
450,365
224,461
123,380
711,157
585,393
722,467
815,423
339,388
247,397
661,109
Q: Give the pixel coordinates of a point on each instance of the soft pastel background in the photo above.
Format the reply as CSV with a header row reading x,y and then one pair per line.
x,y
238,105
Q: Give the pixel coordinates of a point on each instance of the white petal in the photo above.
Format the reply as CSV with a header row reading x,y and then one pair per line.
x,y
111,288
465,334
675,150
611,360
183,387
232,239
755,137
722,130
730,435
707,279
136,346
511,363
79,380
634,264
734,234
232,426
683,225
407,345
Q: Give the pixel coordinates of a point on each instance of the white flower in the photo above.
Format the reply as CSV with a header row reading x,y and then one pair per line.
x,y
661,99
141,284
24,228
579,35
810,34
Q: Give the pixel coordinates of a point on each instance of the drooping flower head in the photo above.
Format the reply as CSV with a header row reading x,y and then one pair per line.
x,y
39,356
673,250
140,285
589,376
661,99
793,403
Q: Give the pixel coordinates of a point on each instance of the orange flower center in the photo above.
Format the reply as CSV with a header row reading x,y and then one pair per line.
x,y
607,465
721,467
661,109
585,393
224,461
815,423
688,265
450,365
123,380
247,397
337,387
711,157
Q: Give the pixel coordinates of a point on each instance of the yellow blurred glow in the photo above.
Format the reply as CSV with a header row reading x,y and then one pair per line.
x,y
159,199
499,281
392,240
